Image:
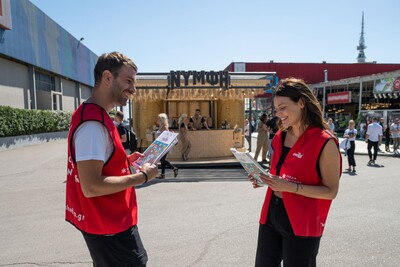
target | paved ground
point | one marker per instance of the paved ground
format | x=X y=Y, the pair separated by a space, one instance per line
x=205 y=217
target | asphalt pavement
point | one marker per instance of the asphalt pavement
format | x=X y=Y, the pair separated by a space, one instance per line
x=204 y=217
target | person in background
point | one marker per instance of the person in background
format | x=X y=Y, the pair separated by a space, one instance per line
x=395 y=131
x=304 y=178
x=252 y=124
x=198 y=122
x=383 y=125
x=331 y=125
x=262 y=139
x=374 y=139
x=351 y=134
x=123 y=132
x=272 y=125
x=362 y=130
x=247 y=134
x=162 y=122
x=386 y=134
x=100 y=189
x=184 y=136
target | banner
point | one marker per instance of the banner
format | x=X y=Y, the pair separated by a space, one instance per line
x=387 y=85
x=339 y=98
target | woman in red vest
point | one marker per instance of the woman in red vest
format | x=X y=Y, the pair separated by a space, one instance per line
x=304 y=178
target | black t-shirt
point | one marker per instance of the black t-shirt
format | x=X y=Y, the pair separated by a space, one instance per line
x=123 y=131
x=273 y=125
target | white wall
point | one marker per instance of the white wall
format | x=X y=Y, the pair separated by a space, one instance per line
x=14 y=84
x=15 y=89
x=69 y=95
x=86 y=92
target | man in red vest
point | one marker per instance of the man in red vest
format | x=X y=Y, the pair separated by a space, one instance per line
x=100 y=193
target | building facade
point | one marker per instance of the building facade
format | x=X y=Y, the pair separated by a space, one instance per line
x=344 y=90
x=42 y=65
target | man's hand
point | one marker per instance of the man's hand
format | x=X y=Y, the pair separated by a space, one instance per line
x=150 y=170
x=134 y=157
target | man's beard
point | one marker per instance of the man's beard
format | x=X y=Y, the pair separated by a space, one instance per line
x=117 y=94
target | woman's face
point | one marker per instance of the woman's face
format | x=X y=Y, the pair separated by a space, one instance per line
x=351 y=125
x=288 y=111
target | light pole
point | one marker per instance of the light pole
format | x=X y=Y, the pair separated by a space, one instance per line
x=324 y=92
x=79 y=42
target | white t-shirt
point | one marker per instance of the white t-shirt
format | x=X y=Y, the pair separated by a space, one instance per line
x=92 y=142
x=395 y=130
x=331 y=126
x=351 y=132
x=374 y=131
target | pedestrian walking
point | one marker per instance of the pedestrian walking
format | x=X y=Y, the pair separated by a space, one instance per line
x=100 y=188
x=184 y=136
x=395 y=132
x=247 y=134
x=163 y=125
x=262 y=139
x=387 y=135
x=374 y=139
x=350 y=134
x=304 y=178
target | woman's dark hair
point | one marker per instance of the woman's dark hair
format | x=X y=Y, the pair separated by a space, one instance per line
x=112 y=62
x=296 y=90
x=263 y=117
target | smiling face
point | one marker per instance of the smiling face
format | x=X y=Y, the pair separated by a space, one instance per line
x=123 y=85
x=289 y=112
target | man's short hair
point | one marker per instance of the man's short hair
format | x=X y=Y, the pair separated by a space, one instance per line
x=120 y=115
x=197 y=109
x=112 y=62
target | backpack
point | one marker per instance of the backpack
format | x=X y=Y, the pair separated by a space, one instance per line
x=131 y=140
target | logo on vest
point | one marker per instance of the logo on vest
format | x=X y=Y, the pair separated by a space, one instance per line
x=298 y=155
x=71 y=162
x=289 y=178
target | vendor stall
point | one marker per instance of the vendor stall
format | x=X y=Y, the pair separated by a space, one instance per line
x=218 y=95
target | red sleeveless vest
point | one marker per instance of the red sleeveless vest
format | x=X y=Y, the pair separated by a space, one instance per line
x=109 y=214
x=307 y=215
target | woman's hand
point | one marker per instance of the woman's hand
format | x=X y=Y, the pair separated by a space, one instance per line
x=278 y=184
x=253 y=181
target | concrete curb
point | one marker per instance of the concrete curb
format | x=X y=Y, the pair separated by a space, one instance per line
x=32 y=139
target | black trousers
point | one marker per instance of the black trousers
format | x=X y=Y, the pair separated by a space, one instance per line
x=370 y=146
x=165 y=163
x=122 y=249
x=277 y=242
x=350 y=154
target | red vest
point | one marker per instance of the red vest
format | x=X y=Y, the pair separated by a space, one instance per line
x=109 y=214
x=307 y=215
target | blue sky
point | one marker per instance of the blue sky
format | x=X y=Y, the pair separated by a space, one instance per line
x=164 y=35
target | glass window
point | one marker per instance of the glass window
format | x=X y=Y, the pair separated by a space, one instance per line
x=45 y=82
